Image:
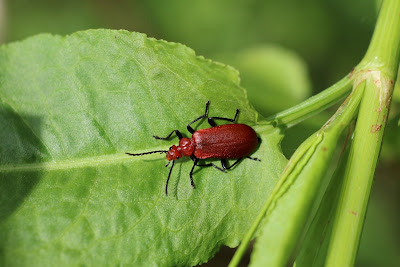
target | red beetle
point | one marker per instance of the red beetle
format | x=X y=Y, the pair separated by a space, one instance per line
x=230 y=141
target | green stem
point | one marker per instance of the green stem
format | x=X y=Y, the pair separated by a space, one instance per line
x=383 y=52
x=316 y=151
x=314 y=104
x=379 y=69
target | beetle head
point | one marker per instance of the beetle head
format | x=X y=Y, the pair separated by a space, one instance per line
x=174 y=153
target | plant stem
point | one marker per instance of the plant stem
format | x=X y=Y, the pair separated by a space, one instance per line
x=383 y=51
x=303 y=173
x=314 y=104
x=378 y=69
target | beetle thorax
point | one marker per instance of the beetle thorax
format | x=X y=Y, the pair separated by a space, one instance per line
x=185 y=148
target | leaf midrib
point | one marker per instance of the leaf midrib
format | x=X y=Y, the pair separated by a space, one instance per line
x=71 y=164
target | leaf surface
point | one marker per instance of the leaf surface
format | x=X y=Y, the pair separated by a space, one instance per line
x=70 y=107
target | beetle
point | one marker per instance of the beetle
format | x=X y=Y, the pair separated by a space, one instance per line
x=229 y=141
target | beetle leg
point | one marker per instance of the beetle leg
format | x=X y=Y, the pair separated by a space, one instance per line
x=168 y=136
x=169 y=175
x=189 y=128
x=213 y=124
x=223 y=163
x=256 y=159
x=195 y=161
x=211 y=165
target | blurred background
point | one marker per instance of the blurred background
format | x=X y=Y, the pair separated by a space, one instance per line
x=285 y=51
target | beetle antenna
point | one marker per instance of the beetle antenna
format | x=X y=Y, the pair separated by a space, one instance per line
x=169 y=175
x=145 y=153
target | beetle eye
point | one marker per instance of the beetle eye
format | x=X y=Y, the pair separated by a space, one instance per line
x=170 y=147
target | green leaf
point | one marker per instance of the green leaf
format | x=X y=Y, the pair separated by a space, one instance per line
x=70 y=107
